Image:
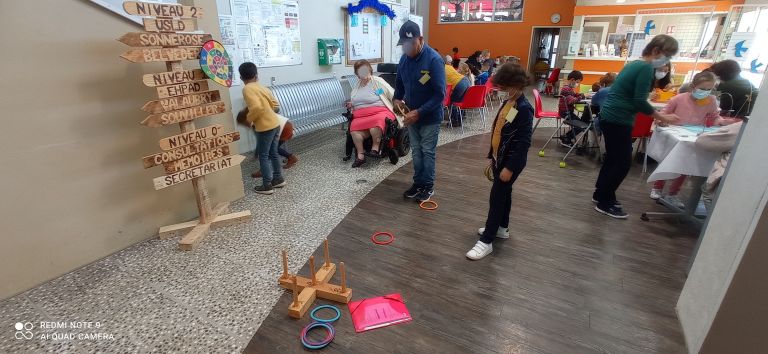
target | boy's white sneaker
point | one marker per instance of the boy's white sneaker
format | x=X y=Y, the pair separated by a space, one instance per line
x=502 y=233
x=480 y=250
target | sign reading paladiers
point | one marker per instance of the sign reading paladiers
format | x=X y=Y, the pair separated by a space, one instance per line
x=199 y=171
x=179 y=102
x=161 y=10
x=184 y=115
x=196 y=160
x=175 y=141
x=146 y=55
x=142 y=39
x=172 y=77
x=182 y=89
x=190 y=149
x=168 y=25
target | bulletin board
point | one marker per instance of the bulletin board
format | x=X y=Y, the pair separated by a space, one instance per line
x=363 y=37
x=264 y=32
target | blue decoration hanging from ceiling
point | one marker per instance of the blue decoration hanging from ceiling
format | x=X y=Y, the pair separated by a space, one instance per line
x=374 y=4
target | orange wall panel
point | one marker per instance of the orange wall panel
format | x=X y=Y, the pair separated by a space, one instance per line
x=501 y=38
x=632 y=9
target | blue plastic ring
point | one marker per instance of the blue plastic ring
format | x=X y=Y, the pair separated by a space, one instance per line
x=338 y=314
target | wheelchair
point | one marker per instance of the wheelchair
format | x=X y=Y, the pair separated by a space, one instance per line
x=394 y=141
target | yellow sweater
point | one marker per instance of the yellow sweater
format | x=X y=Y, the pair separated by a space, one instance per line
x=261 y=107
x=452 y=77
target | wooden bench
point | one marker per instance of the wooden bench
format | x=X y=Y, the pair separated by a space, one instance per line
x=312 y=105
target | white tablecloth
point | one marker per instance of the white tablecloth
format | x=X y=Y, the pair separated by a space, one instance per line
x=675 y=150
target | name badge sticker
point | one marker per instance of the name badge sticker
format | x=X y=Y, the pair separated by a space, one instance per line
x=379 y=91
x=424 y=79
x=511 y=114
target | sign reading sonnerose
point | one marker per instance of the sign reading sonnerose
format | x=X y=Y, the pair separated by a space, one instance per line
x=182 y=139
x=190 y=149
x=146 y=55
x=143 y=39
x=199 y=171
x=169 y=25
x=196 y=160
x=179 y=102
x=184 y=115
x=161 y=10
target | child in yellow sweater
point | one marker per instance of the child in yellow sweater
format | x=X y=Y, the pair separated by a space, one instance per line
x=262 y=115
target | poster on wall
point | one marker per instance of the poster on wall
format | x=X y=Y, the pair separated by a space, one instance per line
x=575 y=42
x=227 y=26
x=265 y=32
x=401 y=15
x=363 y=38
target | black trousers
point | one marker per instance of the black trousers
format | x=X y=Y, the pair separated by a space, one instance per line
x=618 y=160
x=500 y=206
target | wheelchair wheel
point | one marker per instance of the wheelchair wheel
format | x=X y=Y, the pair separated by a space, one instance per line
x=393 y=157
x=402 y=143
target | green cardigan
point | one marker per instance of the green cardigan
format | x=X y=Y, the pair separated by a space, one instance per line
x=629 y=94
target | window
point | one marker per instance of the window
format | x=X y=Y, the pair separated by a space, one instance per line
x=481 y=11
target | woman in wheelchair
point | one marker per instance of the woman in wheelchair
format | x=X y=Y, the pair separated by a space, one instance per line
x=371 y=107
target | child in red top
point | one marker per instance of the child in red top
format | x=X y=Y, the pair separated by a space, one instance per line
x=569 y=96
x=698 y=107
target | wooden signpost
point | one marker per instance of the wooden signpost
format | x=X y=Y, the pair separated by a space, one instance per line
x=184 y=96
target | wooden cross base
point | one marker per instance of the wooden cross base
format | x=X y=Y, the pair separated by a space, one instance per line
x=199 y=230
x=306 y=290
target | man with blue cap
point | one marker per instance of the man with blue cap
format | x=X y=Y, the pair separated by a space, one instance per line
x=421 y=84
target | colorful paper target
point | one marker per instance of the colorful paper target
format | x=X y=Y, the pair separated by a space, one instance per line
x=216 y=63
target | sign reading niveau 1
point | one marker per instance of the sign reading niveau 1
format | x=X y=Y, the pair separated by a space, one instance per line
x=184 y=97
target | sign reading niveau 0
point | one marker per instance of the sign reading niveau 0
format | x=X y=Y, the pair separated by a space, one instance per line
x=190 y=149
x=175 y=141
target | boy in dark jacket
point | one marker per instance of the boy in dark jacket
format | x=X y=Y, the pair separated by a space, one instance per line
x=510 y=140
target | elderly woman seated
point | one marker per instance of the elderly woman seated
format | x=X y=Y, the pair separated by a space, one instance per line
x=371 y=106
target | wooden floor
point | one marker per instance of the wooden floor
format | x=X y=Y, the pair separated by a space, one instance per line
x=569 y=280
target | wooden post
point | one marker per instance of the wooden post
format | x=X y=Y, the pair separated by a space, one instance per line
x=285 y=264
x=343 y=277
x=312 y=269
x=295 y=293
x=326 y=255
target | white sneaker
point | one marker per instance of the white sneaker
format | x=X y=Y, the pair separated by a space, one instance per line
x=674 y=200
x=502 y=233
x=480 y=250
x=655 y=194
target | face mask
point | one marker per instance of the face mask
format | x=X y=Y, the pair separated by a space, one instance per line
x=574 y=84
x=408 y=48
x=659 y=62
x=660 y=75
x=363 y=73
x=700 y=94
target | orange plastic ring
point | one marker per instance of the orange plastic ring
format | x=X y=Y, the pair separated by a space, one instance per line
x=388 y=241
x=422 y=205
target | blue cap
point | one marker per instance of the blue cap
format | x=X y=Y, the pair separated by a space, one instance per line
x=408 y=32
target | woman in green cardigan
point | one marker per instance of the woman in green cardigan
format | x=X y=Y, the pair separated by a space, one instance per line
x=628 y=97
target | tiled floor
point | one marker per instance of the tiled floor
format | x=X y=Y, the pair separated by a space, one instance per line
x=146 y=300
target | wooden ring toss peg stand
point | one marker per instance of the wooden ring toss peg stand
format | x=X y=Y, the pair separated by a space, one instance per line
x=306 y=290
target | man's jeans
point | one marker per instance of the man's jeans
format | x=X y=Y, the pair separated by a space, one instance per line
x=423 y=145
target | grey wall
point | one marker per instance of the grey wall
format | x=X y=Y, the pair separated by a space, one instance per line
x=730 y=246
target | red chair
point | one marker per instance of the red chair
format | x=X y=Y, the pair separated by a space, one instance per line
x=642 y=131
x=539 y=111
x=488 y=89
x=549 y=87
x=474 y=98
x=447 y=99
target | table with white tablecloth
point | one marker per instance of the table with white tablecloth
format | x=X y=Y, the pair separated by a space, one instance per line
x=674 y=148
